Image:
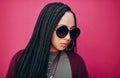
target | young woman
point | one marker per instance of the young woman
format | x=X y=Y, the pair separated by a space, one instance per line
x=51 y=51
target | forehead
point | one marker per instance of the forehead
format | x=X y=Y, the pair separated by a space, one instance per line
x=67 y=19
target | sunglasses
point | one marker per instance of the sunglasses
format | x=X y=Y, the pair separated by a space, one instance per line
x=62 y=32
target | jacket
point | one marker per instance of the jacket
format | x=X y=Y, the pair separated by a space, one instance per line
x=78 y=67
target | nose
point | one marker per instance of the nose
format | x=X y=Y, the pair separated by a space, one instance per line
x=67 y=37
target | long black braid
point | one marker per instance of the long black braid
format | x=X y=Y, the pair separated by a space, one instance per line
x=34 y=61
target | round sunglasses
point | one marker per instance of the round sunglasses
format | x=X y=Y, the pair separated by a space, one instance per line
x=62 y=32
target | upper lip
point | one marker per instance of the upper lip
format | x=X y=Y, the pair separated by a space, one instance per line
x=64 y=43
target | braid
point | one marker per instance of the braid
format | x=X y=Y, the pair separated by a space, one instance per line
x=34 y=61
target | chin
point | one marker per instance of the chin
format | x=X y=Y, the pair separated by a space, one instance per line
x=61 y=49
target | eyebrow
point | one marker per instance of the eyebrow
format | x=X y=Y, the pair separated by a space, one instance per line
x=59 y=25
x=72 y=27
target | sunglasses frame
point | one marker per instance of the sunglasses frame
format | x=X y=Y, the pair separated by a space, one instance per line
x=64 y=34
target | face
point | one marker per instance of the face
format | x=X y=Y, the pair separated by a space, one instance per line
x=57 y=43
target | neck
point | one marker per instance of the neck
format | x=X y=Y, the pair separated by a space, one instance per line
x=52 y=50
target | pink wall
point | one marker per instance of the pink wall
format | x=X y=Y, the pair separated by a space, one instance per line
x=98 y=44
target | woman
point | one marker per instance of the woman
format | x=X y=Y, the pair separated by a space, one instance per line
x=50 y=52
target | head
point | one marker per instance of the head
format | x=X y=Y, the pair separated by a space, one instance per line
x=34 y=60
x=64 y=33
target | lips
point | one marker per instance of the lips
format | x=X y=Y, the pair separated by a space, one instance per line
x=64 y=44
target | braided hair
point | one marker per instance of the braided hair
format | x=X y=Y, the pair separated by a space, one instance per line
x=34 y=61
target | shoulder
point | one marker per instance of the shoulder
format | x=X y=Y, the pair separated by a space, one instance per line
x=12 y=65
x=75 y=56
x=76 y=60
x=17 y=55
x=78 y=66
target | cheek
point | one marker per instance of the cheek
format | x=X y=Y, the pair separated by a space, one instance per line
x=55 y=39
x=69 y=41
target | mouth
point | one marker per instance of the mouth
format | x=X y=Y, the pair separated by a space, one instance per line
x=64 y=45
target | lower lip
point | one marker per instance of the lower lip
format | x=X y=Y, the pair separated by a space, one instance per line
x=63 y=45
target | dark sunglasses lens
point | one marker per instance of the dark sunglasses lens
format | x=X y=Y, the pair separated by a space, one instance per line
x=62 y=31
x=74 y=33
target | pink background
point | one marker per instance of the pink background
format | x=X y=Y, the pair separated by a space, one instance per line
x=98 y=43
